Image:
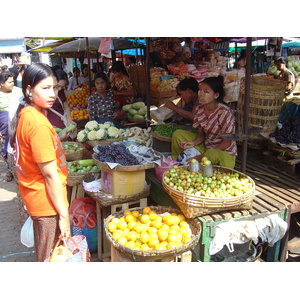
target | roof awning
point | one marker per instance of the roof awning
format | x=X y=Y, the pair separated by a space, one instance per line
x=49 y=46
x=12 y=46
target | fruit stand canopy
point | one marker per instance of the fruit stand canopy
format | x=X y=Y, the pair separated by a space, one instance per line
x=80 y=45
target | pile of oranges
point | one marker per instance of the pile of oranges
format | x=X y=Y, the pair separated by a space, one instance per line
x=150 y=231
x=78 y=103
x=79 y=114
x=80 y=97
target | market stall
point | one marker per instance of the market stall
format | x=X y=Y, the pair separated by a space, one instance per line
x=132 y=168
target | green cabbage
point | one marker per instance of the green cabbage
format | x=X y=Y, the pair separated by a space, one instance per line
x=132 y=111
x=126 y=107
x=138 y=105
x=138 y=117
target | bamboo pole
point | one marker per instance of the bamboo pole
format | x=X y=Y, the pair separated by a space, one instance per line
x=247 y=101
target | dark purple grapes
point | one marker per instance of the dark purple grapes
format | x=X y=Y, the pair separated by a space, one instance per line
x=289 y=133
x=115 y=153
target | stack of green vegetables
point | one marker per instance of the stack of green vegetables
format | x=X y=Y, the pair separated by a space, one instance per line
x=95 y=131
x=136 y=111
x=166 y=130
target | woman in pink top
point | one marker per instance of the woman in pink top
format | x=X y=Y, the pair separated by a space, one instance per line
x=213 y=119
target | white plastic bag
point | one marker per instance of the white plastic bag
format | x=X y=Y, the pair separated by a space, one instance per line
x=186 y=154
x=27 y=237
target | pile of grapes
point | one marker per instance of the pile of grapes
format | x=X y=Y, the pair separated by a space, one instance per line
x=289 y=133
x=115 y=153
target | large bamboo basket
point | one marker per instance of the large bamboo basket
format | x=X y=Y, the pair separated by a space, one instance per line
x=194 y=206
x=266 y=99
x=76 y=155
x=143 y=256
x=108 y=199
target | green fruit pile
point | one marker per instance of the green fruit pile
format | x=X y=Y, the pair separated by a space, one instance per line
x=220 y=185
x=84 y=165
x=71 y=147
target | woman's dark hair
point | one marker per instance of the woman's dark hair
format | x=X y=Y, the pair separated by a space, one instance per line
x=103 y=76
x=4 y=76
x=118 y=66
x=217 y=85
x=76 y=69
x=32 y=76
x=61 y=75
x=188 y=83
x=83 y=67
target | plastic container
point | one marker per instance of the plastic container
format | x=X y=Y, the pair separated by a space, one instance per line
x=159 y=170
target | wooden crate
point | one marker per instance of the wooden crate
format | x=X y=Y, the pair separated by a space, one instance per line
x=116 y=256
x=282 y=163
x=74 y=192
x=104 y=250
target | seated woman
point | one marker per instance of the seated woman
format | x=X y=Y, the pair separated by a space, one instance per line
x=101 y=104
x=188 y=89
x=213 y=119
x=121 y=85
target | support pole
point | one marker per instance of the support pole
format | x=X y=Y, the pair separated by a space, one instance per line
x=148 y=80
x=89 y=68
x=247 y=101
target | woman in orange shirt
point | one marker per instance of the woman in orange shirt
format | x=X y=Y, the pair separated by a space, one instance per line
x=40 y=160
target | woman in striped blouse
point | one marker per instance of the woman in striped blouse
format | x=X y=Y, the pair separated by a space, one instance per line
x=213 y=119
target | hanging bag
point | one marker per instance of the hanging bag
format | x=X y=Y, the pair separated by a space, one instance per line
x=27 y=236
x=72 y=249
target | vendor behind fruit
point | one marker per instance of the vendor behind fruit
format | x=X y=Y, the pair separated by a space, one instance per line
x=213 y=119
x=101 y=104
x=121 y=85
x=188 y=89
x=285 y=74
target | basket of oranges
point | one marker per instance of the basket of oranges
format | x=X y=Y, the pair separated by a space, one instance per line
x=152 y=233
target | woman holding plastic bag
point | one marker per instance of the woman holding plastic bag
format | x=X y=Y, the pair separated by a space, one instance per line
x=40 y=161
x=214 y=120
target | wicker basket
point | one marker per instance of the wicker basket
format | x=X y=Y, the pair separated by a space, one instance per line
x=76 y=155
x=266 y=99
x=161 y=138
x=137 y=121
x=108 y=199
x=141 y=255
x=194 y=206
x=164 y=94
x=76 y=178
x=102 y=142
